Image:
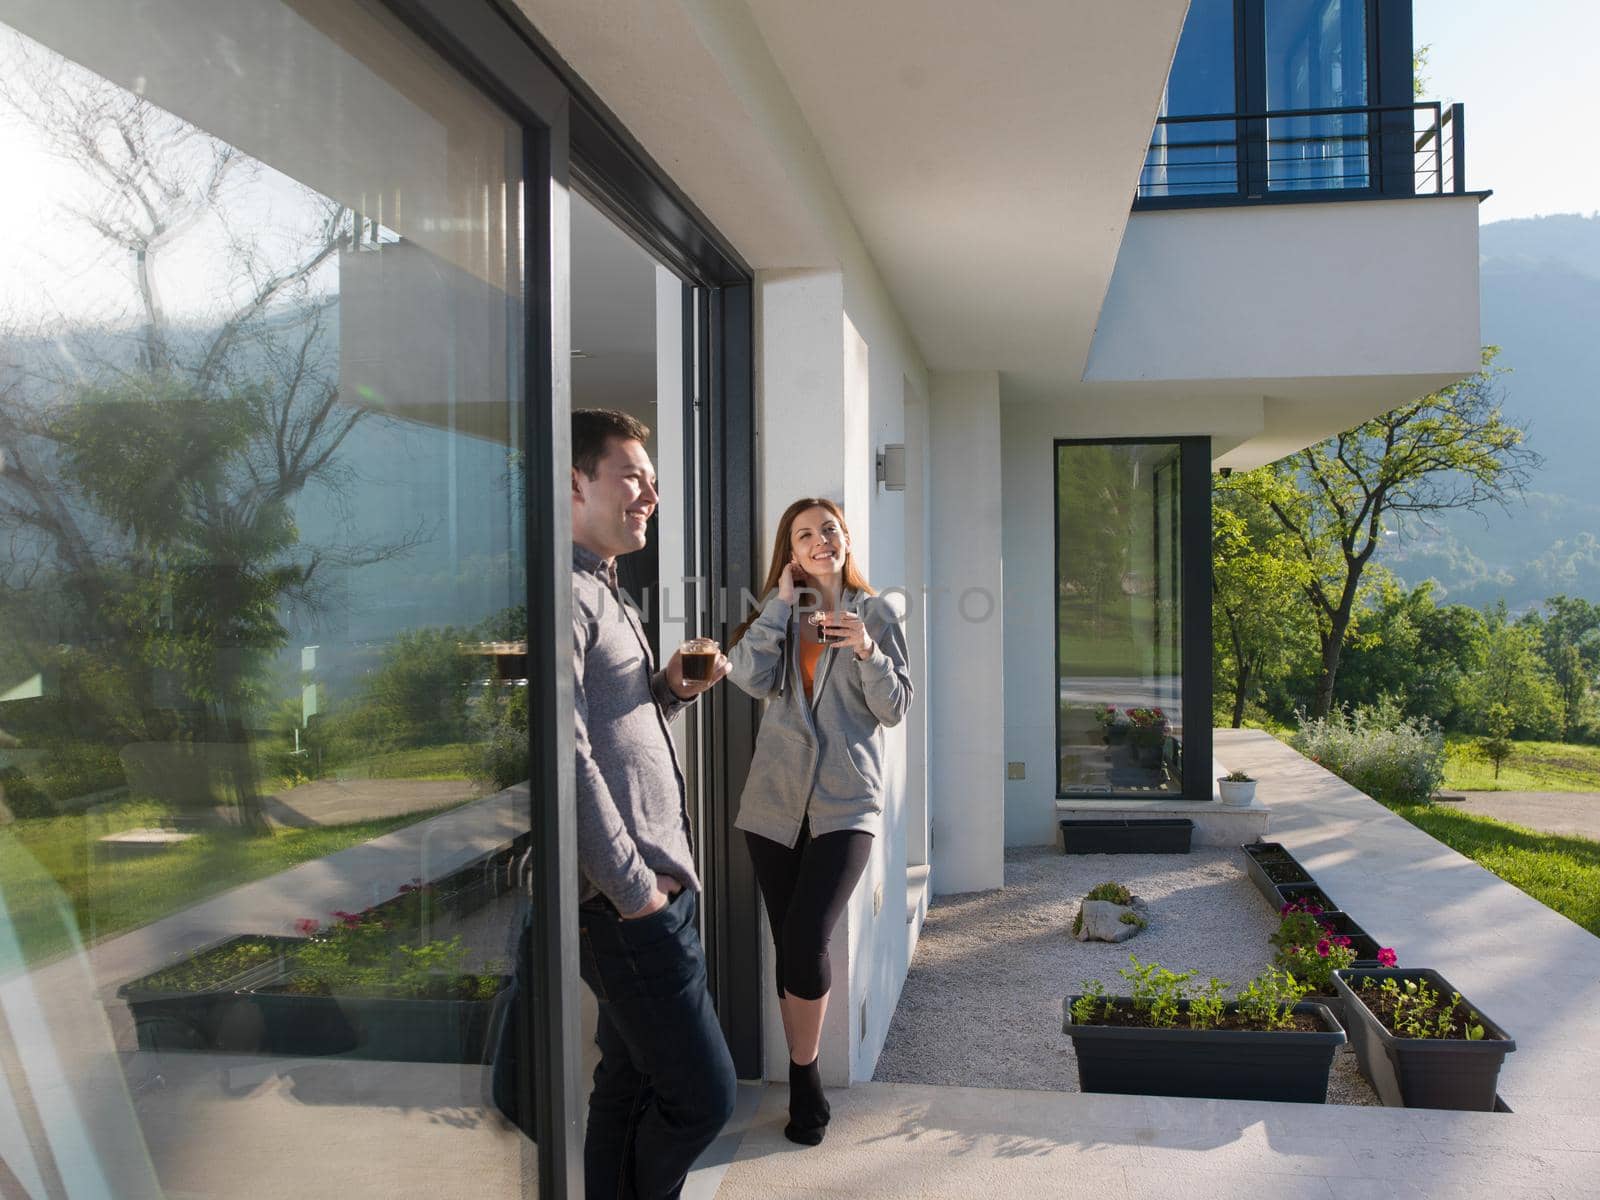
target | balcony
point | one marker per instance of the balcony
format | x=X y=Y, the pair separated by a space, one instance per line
x=1305 y=154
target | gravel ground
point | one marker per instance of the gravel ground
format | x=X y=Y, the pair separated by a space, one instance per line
x=982 y=1004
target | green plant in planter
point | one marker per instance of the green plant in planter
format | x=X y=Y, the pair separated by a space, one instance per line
x=1157 y=993
x=1269 y=999
x=377 y=953
x=212 y=968
x=1206 y=1008
x=1161 y=999
x=1092 y=1006
x=1148 y=726
x=1238 y=777
x=1414 y=1009
x=1311 y=950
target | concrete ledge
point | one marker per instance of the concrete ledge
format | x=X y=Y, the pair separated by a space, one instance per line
x=1215 y=823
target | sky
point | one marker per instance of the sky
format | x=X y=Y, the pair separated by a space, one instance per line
x=1526 y=106
x=1525 y=113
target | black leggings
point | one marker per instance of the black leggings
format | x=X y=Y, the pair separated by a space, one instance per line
x=805 y=890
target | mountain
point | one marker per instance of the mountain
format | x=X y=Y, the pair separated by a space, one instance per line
x=1540 y=303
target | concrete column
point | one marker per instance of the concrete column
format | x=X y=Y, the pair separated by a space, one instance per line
x=801 y=390
x=804 y=427
x=966 y=643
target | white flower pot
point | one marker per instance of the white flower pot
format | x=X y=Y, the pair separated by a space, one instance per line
x=1240 y=795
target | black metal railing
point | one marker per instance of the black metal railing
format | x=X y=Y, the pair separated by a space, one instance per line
x=1380 y=149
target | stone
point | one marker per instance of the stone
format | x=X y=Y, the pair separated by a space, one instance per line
x=1101 y=921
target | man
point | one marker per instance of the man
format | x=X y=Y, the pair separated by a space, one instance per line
x=665 y=1084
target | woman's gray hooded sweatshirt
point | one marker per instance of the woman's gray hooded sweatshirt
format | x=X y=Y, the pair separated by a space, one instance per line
x=822 y=758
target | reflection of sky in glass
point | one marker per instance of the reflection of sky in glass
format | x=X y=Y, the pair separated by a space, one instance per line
x=54 y=266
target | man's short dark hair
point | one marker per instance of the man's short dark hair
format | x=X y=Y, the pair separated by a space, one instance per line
x=592 y=428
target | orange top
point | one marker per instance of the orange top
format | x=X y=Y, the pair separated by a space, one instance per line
x=810 y=656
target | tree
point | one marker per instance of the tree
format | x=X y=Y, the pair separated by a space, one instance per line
x=1450 y=449
x=1258 y=619
x=1569 y=639
x=150 y=461
x=1513 y=677
x=1413 y=651
x=1496 y=744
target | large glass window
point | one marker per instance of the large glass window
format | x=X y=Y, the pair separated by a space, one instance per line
x=1119 y=619
x=1196 y=158
x=1272 y=56
x=263 y=709
x=1316 y=58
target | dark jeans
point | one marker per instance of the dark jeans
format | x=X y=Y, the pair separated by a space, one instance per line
x=665 y=1084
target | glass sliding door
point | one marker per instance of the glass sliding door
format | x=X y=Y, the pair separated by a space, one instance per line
x=266 y=490
x=1119 y=619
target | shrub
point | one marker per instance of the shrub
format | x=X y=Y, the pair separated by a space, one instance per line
x=1390 y=758
x=500 y=727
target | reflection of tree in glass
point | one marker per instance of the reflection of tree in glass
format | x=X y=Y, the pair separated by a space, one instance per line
x=149 y=462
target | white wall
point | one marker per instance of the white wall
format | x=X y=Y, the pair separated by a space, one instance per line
x=832 y=364
x=1383 y=287
x=966 y=713
x=1027 y=435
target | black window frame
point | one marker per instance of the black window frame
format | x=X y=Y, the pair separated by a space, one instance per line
x=1194 y=550
x=573 y=142
x=1390 y=169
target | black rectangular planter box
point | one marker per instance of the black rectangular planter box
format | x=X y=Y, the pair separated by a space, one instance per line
x=1422 y=1072
x=1223 y=1064
x=1262 y=869
x=374 y=1027
x=1126 y=835
x=215 y=1017
x=1266 y=850
x=1288 y=892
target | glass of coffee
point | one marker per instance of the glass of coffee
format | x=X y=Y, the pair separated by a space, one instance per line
x=822 y=619
x=698 y=657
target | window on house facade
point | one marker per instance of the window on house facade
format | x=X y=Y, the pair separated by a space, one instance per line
x=1316 y=58
x=1198 y=158
x=1267 y=56
x=1119 y=619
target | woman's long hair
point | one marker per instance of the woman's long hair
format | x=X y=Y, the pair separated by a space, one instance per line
x=854 y=580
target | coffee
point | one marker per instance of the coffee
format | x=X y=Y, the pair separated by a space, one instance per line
x=698 y=657
x=821 y=620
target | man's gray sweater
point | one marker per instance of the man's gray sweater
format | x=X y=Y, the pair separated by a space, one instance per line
x=632 y=819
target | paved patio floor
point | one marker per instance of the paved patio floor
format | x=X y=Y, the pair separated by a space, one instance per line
x=1529 y=968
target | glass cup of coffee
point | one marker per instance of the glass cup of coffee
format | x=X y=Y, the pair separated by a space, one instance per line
x=820 y=620
x=698 y=657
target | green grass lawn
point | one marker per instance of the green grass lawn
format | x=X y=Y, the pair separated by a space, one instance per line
x=1559 y=871
x=1532 y=767
x=49 y=858
x=428 y=762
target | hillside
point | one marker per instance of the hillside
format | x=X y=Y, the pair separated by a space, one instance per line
x=1541 y=305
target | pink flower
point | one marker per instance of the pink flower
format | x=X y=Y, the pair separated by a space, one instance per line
x=1323 y=947
x=348 y=919
x=306 y=926
x=1341 y=940
x=1387 y=957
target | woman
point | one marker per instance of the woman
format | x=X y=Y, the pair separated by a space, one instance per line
x=814 y=799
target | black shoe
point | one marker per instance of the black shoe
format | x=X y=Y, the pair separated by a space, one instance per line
x=809 y=1110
